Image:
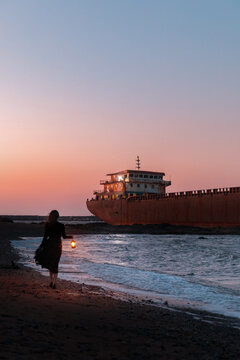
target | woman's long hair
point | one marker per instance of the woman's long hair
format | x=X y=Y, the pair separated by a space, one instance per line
x=53 y=216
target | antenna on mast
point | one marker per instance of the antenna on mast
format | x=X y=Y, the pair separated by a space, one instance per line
x=138 y=163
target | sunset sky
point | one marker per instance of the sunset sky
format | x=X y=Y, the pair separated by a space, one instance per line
x=86 y=86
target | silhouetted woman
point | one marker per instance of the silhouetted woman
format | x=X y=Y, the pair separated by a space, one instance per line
x=49 y=252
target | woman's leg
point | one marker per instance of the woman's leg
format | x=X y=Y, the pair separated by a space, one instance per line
x=54 y=279
x=51 y=276
x=55 y=274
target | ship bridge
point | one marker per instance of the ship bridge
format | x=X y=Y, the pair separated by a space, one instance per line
x=127 y=183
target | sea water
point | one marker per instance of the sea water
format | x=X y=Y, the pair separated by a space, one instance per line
x=191 y=270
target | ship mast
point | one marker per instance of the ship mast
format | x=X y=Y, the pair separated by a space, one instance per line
x=138 y=163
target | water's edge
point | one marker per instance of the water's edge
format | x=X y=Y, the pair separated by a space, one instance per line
x=107 y=281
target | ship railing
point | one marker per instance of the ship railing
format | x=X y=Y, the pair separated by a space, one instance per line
x=193 y=193
x=100 y=195
x=103 y=182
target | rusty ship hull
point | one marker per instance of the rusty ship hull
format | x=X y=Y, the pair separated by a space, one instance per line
x=202 y=208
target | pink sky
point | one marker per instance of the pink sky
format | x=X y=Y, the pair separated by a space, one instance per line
x=58 y=165
x=96 y=86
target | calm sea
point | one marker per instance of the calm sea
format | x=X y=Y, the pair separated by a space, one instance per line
x=195 y=271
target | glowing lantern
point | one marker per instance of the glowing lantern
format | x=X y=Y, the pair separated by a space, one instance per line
x=73 y=244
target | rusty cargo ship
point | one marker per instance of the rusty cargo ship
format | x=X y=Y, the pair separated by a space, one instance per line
x=132 y=197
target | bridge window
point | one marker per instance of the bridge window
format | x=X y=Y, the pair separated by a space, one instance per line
x=155 y=177
x=145 y=186
x=131 y=175
x=138 y=185
x=146 y=176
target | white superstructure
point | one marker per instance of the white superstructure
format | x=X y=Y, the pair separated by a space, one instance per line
x=133 y=182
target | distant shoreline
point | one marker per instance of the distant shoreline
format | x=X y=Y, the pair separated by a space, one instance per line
x=98 y=227
x=103 y=228
x=40 y=218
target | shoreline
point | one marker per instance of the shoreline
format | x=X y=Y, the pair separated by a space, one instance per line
x=127 y=293
x=39 y=322
x=104 y=228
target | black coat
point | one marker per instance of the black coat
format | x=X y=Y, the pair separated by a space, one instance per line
x=49 y=252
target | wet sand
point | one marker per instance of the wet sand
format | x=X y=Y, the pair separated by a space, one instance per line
x=79 y=321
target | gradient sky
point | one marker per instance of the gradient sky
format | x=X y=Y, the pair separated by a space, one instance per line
x=85 y=86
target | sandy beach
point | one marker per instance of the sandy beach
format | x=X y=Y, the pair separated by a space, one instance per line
x=80 y=321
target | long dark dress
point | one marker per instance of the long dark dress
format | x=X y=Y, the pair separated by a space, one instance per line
x=50 y=250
